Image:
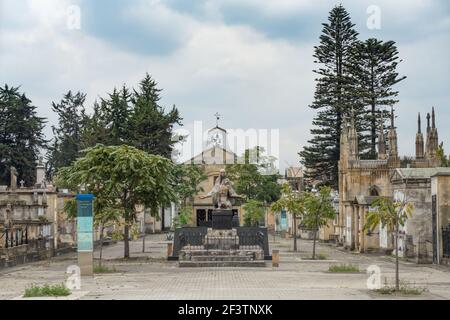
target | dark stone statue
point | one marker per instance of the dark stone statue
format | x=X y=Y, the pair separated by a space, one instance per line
x=222 y=192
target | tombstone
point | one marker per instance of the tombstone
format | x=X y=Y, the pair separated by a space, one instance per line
x=40 y=173
x=13 y=173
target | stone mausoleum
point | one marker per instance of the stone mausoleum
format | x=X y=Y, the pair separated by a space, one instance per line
x=421 y=180
x=32 y=225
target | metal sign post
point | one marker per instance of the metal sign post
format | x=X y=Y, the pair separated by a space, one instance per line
x=85 y=234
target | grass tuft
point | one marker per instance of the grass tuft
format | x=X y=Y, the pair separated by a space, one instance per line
x=343 y=268
x=104 y=269
x=59 y=290
x=404 y=289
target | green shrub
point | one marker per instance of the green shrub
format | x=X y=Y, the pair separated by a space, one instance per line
x=59 y=290
x=184 y=217
x=343 y=268
x=404 y=288
x=321 y=256
x=104 y=269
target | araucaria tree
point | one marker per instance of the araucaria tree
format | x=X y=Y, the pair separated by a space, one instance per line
x=390 y=215
x=126 y=176
x=21 y=135
x=334 y=96
x=374 y=67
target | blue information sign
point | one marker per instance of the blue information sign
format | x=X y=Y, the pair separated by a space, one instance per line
x=85 y=225
x=283 y=220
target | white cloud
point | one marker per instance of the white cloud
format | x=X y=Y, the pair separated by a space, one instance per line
x=254 y=81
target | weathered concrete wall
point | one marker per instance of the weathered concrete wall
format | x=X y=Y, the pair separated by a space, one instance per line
x=441 y=188
x=416 y=237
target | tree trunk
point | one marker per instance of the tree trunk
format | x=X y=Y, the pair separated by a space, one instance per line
x=102 y=228
x=314 y=244
x=143 y=243
x=143 y=235
x=397 y=276
x=126 y=234
x=295 y=232
x=316 y=229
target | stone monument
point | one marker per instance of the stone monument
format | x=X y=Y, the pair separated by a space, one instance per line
x=221 y=194
x=225 y=244
x=13 y=173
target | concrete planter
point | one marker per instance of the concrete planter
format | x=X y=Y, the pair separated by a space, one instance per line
x=76 y=295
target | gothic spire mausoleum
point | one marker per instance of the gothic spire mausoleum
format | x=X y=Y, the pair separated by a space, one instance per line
x=363 y=181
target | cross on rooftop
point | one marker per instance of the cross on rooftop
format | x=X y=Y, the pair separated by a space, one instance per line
x=217 y=115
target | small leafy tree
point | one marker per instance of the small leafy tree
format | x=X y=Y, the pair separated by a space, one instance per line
x=184 y=217
x=125 y=176
x=319 y=210
x=105 y=213
x=254 y=212
x=105 y=217
x=390 y=214
x=293 y=202
x=253 y=176
x=445 y=160
x=187 y=179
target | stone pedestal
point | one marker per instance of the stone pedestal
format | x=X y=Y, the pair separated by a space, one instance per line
x=221 y=239
x=221 y=248
x=86 y=263
x=222 y=219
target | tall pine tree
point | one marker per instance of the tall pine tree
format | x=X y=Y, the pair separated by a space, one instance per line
x=150 y=127
x=95 y=129
x=374 y=67
x=117 y=111
x=67 y=135
x=334 y=97
x=21 y=136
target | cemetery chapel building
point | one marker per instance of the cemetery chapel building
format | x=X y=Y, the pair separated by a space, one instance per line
x=214 y=157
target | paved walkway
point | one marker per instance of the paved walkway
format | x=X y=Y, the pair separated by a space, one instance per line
x=149 y=276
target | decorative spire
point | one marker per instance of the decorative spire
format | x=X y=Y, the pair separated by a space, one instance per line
x=419 y=140
x=432 y=138
x=393 y=149
x=353 y=139
x=419 y=126
x=392 y=118
x=381 y=142
x=433 y=119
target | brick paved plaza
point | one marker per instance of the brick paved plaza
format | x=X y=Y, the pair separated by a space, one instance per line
x=149 y=276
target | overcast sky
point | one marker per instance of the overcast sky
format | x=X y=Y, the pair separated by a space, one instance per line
x=250 y=60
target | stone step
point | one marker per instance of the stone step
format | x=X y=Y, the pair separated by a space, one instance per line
x=218 y=264
x=216 y=252
x=221 y=258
